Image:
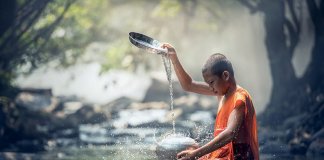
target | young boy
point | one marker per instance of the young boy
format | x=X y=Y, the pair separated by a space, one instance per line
x=235 y=130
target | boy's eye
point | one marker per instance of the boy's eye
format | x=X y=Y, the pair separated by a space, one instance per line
x=211 y=82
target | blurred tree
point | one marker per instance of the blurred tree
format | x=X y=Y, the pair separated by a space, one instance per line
x=34 y=32
x=22 y=41
x=291 y=95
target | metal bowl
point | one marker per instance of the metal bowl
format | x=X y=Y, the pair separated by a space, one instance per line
x=145 y=42
x=169 y=147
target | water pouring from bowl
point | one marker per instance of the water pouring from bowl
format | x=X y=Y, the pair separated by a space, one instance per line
x=147 y=43
x=154 y=46
x=169 y=146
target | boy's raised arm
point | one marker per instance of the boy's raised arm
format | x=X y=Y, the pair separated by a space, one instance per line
x=184 y=78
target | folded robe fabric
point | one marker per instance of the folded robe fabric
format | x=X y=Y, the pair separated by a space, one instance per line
x=248 y=129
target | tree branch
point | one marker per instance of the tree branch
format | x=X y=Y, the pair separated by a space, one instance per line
x=34 y=18
x=293 y=37
x=15 y=35
x=23 y=8
x=16 y=53
x=46 y=32
x=293 y=14
x=314 y=13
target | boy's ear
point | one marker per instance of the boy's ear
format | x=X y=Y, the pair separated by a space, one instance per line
x=225 y=75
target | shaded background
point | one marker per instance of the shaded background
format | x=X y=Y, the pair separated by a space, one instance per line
x=73 y=86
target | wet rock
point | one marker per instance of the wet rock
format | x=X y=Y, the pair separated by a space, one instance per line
x=117 y=105
x=316 y=149
x=274 y=148
x=16 y=156
x=292 y=122
x=43 y=91
x=66 y=133
x=298 y=148
x=30 y=145
x=36 y=101
x=70 y=98
x=159 y=91
x=86 y=114
x=316 y=146
x=149 y=105
x=300 y=143
x=314 y=120
x=65 y=142
x=36 y=124
x=94 y=134
x=318 y=135
x=190 y=100
x=266 y=135
x=71 y=107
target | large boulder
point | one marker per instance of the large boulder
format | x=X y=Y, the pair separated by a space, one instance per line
x=85 y=115
x=117 y=105
x=159 y=91
x=37 y=100
x=275 y=148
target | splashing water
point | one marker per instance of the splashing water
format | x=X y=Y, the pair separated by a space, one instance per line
x=167 y=65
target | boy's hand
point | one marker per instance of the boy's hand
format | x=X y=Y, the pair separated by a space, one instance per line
x=171 y=50
x=187 y=155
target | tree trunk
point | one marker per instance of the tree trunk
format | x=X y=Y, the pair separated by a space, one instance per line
x=7 y=15
x=315 y=71
x=282 y=71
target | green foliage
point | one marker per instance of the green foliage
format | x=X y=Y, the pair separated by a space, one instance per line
x=61 y=30
x=167 y=8
x=118 y=56
x=80 y=27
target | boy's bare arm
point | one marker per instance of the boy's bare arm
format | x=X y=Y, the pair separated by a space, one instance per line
x=184 y=78
x=234 y=122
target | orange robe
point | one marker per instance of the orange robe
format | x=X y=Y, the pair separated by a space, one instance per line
x=249 y=125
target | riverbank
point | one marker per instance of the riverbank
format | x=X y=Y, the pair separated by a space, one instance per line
x=39 y=125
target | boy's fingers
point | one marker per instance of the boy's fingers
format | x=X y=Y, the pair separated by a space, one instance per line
x=181 y=154
x=166 y=45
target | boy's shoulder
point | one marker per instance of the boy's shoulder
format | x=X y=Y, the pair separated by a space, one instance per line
x=240 y=91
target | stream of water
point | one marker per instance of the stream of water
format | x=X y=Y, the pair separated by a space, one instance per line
x=167 y=65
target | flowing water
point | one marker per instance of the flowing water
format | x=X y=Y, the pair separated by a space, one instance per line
x=167 y=65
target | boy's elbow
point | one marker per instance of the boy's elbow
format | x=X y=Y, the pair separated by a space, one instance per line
x=231 y=134
x=187 y=85
x=186 y=88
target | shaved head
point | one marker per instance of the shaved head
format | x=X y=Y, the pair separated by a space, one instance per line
x=217 y=63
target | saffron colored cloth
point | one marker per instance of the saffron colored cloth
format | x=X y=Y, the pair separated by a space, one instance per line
x=249 y=149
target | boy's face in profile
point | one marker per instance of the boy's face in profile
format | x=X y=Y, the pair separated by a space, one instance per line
x=219 y=85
